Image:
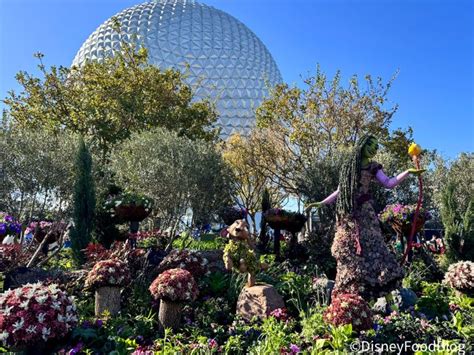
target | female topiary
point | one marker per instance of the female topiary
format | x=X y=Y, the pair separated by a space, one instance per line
x=365 y=266
x=107 y=277
x=173 y=287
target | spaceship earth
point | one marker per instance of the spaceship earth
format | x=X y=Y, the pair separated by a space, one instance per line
x=223 y=59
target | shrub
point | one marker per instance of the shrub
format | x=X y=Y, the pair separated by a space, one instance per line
x=110 y=272
x=460 y=276
x=34 y=314
x=174 y=285
x=186 y=260
x=349 y=309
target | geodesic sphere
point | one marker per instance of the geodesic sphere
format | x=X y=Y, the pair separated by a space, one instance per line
x=224 y=61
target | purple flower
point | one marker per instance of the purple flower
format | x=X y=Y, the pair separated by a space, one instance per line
x=3 y=228
x=8 y=218
x=213 y=343
x=99 y=323
x=294 y=349
x=86 y=324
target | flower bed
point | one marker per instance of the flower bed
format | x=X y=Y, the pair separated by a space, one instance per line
x=35 y=314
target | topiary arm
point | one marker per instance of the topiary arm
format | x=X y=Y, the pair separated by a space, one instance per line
x=390 y=183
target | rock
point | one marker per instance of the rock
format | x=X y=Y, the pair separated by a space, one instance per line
x=403 y=299
x=258 y=301
x=22 y=275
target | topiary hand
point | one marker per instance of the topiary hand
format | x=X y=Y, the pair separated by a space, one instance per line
x=416 y=171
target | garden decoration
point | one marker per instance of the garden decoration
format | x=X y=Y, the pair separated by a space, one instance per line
x=401 y=218
x=232 y=213
x=414 y=150
x=279 y=219
x=173 y=288
x=185 y=259
x=107 y=277
x=8 y=226
x=365 y=266
x=34 y=317
x=349 y=308
x=239 y=253
x=460 y=276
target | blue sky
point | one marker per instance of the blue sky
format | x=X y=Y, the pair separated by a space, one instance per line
x=429 y=42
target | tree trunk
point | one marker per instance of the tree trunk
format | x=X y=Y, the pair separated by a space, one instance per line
x=107 y=298
x=169 y=315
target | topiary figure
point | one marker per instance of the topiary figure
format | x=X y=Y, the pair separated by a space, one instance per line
x=172 y=288
x=347 y=308
x=187 y=260
x=239 y=254
x=460 y=276
x=107 y=277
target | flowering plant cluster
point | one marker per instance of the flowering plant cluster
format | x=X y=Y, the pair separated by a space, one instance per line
x=460 y=276
x=34 y=314
x=185 y=259
x=110 y=272
x=128 y=206
x=12 y=255
x=174 y=285
x=281 y=219
x=349 y=308
x=402 y=214
x=42 y=225
x=8 y=225
x=95 y=252
x=280 y=314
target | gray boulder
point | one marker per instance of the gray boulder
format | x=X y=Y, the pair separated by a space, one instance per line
x=403 y=299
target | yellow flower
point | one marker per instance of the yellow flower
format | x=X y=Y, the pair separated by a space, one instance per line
x=414 y=149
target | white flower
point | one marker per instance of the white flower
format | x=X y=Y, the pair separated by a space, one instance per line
x=56 y=306
x=31 y=329
x=111 y=270
x=363 y=314
x=45 y=333
x=40 y=317
x=41 y=299
x=7 y=310
x=18 y=325
x=4 y=336
x=24 y=304
x=61 y=318
x=179 y=284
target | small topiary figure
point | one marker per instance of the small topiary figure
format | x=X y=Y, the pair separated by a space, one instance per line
x=172 y=288
x=34 y=316
x=107 y=277
x=460 y=276
x=349 y=308
x=239 y=253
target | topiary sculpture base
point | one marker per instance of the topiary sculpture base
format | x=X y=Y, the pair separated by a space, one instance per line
x=169 y=315
x=107 y=299
x=258 y=301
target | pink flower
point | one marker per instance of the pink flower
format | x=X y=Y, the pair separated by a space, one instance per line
x=213 y=343
x=294 y=349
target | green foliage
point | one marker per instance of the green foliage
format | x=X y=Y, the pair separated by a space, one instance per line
x=37 y=172
x=84 y=203
x=107 y=100
x=313 y=324
x=458 y=224
x=337 y=343
x=217 y=283
x=296 y=289
x=434 y=302
x=176 y=172
x=275 y=336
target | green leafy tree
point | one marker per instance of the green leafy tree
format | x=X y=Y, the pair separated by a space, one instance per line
x=179 y=174
x=36 y=172
x=84 y=203
x=109 y=99
x=324 y=119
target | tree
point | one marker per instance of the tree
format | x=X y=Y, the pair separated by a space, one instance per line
x=178 y=173
x=36 y=172
x=323 y=120
x=84 y=203
x=107 y=100
x=249 y=181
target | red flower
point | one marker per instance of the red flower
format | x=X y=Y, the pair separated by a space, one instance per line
x=174 y=285
x=349 y=309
